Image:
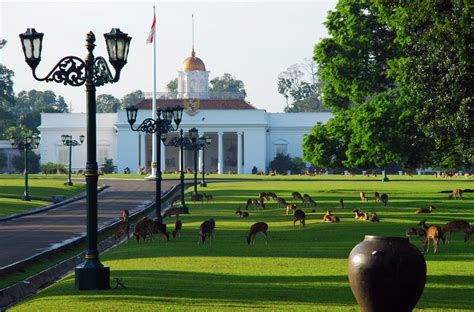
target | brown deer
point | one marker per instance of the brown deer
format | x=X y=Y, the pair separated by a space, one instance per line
x=281 y=202
x=384 y=199
x=425 y=210
x=433 y=232
x=290 y=207
x=208 y=197
x=272 y=195
x=176 y=200
x=170 y=212
x=359 y=215
x=158 y=227
x=122 y=228
x=363 y=197
x=329 y=217
x=377 y=196
x=297 y=196
x=458 y=226
x=456 y=193
x=259 y=227
x=341 y=203
x=299 y=216
x=243 y=214
x=177 y=228
x=206 y=230
x=373 y=217
x=143 y=228
x=257 y=203
x=308 y=200
x=125 y=215
x=418 y=232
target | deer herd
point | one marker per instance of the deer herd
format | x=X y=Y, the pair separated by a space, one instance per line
x=146 y=228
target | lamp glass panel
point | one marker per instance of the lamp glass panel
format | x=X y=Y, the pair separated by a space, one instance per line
x=125 y=54
x=120 y=49
x=28 y=48
x=111 y=46
x=37 y=48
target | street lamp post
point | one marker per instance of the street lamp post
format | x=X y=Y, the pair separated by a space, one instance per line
x=68 y=141
x=91 y=72
x=160 y=126
x=193 y=136
x=180 y=142
x=28 y=143
x=206 y=140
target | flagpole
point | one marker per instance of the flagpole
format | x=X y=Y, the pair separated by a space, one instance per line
x=153 y=113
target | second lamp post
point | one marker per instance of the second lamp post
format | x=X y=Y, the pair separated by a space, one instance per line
x=27 y=143
x=68 y=141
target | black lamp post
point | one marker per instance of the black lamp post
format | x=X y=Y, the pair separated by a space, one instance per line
x=160 y=126
x=205 y=142
x=68 y=141
x=193 y=136
x=93 y=72
x=28 y=143
x=181 y=142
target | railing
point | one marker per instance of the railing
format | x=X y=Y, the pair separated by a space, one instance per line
x=196 y=95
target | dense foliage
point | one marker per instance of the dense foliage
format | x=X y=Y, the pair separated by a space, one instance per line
x=227 y=83
x=284 y=163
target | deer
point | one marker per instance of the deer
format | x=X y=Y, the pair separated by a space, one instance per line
x=122 y=228
x=373 y=217
x=177 y=228
x=259 y=227
x=425 y=210
x=299 y=215
x=272 y=195
x=341 y=203
x=125 y=215
x=329 y=217
x=255 y=202
x=176 y=200
x=377 y=196
x=456 y=193
x=384 y=199
x=297 y=196
x=208 y=197
x=281 y=202
x=143 y=228
x=170 y=212
x=243 y=214
x=158 y=227
x=206 y=230
x=363 y=197
x=458 y=226
x=308 y=200
x=433 y=232
x=359 y=215
x=290 y=207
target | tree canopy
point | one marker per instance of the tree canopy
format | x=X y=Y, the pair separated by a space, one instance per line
x=227 y=83
x=132 y=98
x=107 y=103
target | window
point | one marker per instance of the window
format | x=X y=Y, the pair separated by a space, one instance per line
x=63 y=155
x=102 y=153
x=281 y=149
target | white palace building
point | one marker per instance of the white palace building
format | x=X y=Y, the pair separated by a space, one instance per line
x=243 y=136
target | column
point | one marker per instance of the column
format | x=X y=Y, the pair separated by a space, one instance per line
x=239 y=152
x=220 y=153
x=163 y=156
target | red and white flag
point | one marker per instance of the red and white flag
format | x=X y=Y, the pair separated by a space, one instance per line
x=151 y=36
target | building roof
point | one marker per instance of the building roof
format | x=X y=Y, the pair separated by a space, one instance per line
x=193 y=63
x=203 y=104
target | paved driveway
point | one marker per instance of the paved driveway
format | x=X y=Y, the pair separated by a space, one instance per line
x=26 y=236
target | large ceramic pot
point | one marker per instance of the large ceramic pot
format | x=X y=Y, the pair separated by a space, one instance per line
x=386 y=274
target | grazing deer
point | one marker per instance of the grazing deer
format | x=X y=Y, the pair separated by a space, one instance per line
x=297 y=196
x=176 y=200
x=373 y=217
x=259 y=227
x=359 y=215
x=425 y=210
x=272 y=195
x=329 y=217
x=158 y=227
x=299 y=216
x=243 y=214
x=308 y=200
x=122 y=228
x=125 y=215
x=458 y=226
x=341 y=203
x=433 y=232
x=208 y=197
x=257 y=203
x=143 y=229
x=418 y=232
x=290 y=207
x=206 y=230
x=384 y=199
x=456 y=193
x=377 y=196
x=197 y=197
x=177 y=229
x=362 y=196
x=170 y=212
x=281 y=202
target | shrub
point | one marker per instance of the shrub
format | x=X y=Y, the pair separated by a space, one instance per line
x=33 y=162
x=284 y=163
x=51 y=168
x=108 y=167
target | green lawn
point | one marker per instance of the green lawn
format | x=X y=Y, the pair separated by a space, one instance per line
x=300 y=268
x=40 y=188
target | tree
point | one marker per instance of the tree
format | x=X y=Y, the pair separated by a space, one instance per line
x=7 y=99
x=132 y=98
x=227 y=83
x=284 y=163
x=172 y=86
x=107 y=103
x=33 y=162
x=300 y=86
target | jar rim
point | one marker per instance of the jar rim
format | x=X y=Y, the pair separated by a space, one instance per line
x=392 y=238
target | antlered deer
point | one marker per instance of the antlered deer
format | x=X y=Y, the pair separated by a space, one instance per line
x=299 y=216
x=425 y=210
x=308 y=200
x=363 y=197
x=456 y=193
x=458 y=226
x=290 y=207
x=433 y=232
x=259 y=227
x=297 y=196
x=384 y=199
x=177 y=228
x=206 y=230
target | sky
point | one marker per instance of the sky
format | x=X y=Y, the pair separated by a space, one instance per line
x=253 y=41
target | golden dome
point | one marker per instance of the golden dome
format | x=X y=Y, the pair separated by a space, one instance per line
x=193 y=63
